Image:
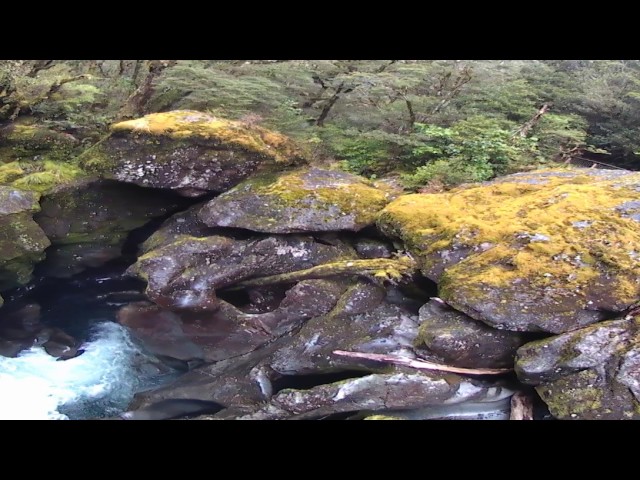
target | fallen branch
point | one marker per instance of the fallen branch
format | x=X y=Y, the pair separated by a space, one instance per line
x=377 y=268
x=521 y=407
x=421 y=364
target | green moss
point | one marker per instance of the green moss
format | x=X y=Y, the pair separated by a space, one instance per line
x=296 y=189
x=48 y=176
x=507 y=217
x=193 y=125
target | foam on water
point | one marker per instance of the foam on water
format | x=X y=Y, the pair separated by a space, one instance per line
x=100 y=382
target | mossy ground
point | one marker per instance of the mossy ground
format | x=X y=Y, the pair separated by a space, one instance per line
x=563 y=232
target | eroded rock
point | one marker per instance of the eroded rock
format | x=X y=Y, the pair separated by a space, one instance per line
x=89 y=221
x=184 y=275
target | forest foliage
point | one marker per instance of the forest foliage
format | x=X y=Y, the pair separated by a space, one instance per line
x=426 y=122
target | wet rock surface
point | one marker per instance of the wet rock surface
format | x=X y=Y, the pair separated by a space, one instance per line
x=590 y=373
x=22 y=241
x=308 y=200
x=461 y=341
x=185 y=274
x=88 y=222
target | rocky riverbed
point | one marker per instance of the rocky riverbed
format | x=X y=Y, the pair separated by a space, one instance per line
x=243 y=267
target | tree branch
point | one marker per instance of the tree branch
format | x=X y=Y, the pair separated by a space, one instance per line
x=420 y=364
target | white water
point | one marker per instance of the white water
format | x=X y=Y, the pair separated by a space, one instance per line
x=99 y=382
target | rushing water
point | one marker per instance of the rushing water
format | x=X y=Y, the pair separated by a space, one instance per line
x=99 y=382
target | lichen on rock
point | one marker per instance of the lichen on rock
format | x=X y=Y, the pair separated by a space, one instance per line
x=22 y=241
x=590 y=373
x=188 y=151
x=298 y=201
x=543 y=251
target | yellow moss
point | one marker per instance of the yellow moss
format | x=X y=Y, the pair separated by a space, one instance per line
x=350 y=196
x=10 y=172
x=48 y=175
x=529 y=230
x=186 y=124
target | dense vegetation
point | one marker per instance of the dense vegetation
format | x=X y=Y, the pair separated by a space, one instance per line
x=428 y=122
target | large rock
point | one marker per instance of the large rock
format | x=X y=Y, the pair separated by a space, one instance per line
x=402 y=389
x=545 y=251
x=89 y=221
x=22 y=241
x=188 y=151
x=184 y=274
x=590 y=373
x=361 y=322
x=308 y=200
x=461 y=341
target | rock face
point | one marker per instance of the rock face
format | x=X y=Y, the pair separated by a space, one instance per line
x=400 y=390
x=542 y=251
x=590 y=373
x=89 y=221
x=309 y=200
x=464 y=342
x=188 y=151
x=184 y=274
x=22 y=241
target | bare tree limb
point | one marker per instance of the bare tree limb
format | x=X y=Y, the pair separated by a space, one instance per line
x=421 y=364
x=526 y=128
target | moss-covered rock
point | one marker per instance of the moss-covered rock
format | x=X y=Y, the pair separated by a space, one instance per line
x=188 y=151
x=543 y=251
x=461 y=341
x=590 y=373
x=308 y=200
x=22 y=241
x=89 y=221
x=27 y=141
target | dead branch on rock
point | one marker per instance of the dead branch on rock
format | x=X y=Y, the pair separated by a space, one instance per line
x=421 y=364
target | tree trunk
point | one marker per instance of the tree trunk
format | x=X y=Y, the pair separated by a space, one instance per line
x=412 y=116
x=526 y=128
x=134 y=105
x=328 y=106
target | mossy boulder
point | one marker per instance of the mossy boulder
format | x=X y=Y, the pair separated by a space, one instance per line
x=89 y=221
x=461 y=341
x=590 y=373
x=22 y=241
x=550 y=250
x=188 y=151
x=307 y=200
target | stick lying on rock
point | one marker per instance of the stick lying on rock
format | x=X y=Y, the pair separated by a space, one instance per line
x=421 y=364
x=377 y=268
